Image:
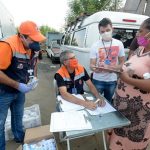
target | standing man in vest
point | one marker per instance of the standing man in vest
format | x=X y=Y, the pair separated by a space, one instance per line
x=18 y=57
x=70 y=79
x=108 y=53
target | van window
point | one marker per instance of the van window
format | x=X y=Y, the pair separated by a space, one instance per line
x=78 y=38
x=125 y=35
x=67 y=39
x=92 y=35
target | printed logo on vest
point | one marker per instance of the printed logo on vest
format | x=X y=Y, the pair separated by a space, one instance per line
x=20 y=66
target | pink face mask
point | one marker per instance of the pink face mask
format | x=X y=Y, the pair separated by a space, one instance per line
x=142 y=41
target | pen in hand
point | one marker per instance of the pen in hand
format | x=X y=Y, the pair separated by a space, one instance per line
x=102 y=102
x=97 y=101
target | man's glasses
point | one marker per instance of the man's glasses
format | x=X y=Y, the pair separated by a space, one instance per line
x=71 y=58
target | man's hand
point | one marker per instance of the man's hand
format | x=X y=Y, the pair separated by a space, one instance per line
x=115 y=68
x=101 y=103
x=90 y=105
x=25 y=88
x=97 y=70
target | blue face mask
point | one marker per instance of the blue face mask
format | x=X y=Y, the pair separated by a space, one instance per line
x=35 y=46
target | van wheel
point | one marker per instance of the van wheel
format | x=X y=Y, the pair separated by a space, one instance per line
x=53 y=59
x=48 y=56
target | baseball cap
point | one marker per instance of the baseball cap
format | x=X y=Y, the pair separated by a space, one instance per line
x=30 y=28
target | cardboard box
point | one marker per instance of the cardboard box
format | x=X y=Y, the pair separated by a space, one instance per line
x=36 y=134
x=19 y=148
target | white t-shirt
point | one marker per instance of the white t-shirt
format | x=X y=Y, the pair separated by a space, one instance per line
x=108 y=50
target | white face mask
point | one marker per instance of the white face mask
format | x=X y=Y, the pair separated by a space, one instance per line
x=107 y=36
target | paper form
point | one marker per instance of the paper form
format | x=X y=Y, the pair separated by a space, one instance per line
x=102 y=110
x=68 y=106
x=69 y=121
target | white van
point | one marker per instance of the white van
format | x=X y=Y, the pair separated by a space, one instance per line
x=7 y=27
x=82 y=34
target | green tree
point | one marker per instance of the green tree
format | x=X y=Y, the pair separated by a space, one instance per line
x=77 y=7
x=45 y=28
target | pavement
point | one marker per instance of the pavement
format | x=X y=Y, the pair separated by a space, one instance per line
x=44 y=95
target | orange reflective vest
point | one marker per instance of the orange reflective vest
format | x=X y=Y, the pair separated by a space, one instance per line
x=77 y=83
x=20 y=63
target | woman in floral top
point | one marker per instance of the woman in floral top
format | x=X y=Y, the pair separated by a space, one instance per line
x=132 y=98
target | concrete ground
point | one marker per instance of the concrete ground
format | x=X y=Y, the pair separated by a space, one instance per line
x=44 y=95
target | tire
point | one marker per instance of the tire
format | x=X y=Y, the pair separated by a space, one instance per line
x=48 y=56
x=53 y=59
x=40 y=56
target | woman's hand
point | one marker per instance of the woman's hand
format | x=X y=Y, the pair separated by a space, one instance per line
x=124 y=76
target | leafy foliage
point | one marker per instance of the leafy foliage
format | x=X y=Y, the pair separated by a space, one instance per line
x=78 y=7
x=45 y=28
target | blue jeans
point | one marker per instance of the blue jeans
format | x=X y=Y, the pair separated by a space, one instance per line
x=106 y=88
x=14 y=101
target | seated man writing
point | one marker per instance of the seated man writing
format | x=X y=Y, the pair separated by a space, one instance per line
x=70 y=79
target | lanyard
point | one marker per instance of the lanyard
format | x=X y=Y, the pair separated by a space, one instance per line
x=30 y=63
x=74 y=90
x=109 y=50
x=73 y=80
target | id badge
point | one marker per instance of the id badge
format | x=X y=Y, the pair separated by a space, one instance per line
x=74 y=90
x=30 y=71
x=107 y=61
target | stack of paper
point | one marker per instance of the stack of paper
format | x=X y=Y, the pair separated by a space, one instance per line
x=102 y=110
x=69 y=121
x=68 y=106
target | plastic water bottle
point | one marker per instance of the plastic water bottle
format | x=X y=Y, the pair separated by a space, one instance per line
x=26 y=147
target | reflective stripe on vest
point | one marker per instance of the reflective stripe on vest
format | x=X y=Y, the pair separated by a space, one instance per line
x=19 y=55
x=79 y=73
x=20 y=63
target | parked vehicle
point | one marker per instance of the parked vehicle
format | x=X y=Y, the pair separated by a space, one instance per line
x=53 y=45
x=53 y=51
x=51 y=36
x=80 y=36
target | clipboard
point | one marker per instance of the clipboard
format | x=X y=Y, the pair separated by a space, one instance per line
x=108 y=69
